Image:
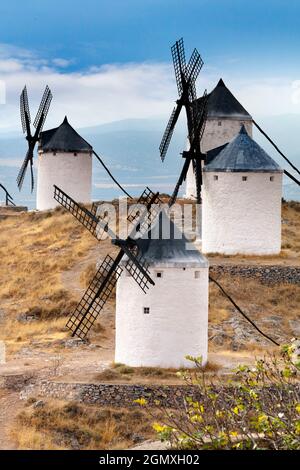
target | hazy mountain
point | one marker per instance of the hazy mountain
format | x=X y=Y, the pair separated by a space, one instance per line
x=130 y=149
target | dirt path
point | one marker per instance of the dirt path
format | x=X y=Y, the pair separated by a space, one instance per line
x=71 y=278
x=10 y=406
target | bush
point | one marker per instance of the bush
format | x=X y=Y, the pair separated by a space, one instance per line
x=258 y=408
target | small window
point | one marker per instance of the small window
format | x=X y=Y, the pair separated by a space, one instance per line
x=197 y=274
x=244 y=178
x=271 y=178
x=219 y=123
x=159 y=274
x=146 y=310
x=216 y=177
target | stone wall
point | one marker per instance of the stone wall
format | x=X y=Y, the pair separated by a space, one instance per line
x=269 y=274
x=112 y=394
x=124 y=395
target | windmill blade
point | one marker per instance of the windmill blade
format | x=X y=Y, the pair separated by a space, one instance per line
x=146 y=199
x=178 y=55
x=137 y=267
x=96 y=296
x=194 y=66
x=198 y=176
x=151 y=203
x=199 y=116
x=165 y=141
x=22 y=172
x=94 y=224
x=32 y=176
x=203 y=119
x=25 y=113
x=181 y=179
x=192 y=93
x=43 y=110
x=6 y=192
x=8 y=197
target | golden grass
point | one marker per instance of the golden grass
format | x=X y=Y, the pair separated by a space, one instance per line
x=117 y=373
x=35 y=248
x=61 y=425
x=261 y=302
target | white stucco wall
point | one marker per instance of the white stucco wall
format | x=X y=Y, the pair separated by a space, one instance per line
x=214 y=136
x=73 y=174
x=241 y=216
x=176 y=326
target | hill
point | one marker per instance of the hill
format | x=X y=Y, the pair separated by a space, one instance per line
x=130 y=149
x=47 y=260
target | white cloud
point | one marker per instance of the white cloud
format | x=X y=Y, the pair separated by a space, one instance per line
x=121 y=91
x=58 y=62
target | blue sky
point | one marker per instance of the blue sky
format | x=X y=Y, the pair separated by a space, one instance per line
x=110 y=60
x=254 y=36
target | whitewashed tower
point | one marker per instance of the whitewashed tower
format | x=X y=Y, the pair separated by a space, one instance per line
x=225 y=115
x=171 y=321
x=64 y=159
x=241 y=206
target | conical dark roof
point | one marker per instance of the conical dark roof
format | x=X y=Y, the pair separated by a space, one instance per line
x=64 y=139
x=222 y=103
x=243 y=154
x=167 y=246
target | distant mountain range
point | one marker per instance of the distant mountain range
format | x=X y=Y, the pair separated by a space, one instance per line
x=130 y=150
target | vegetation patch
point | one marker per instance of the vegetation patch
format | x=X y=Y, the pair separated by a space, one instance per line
x=62 y=426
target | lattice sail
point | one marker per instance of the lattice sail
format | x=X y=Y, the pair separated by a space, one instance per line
x=151 y=208
x=24 y=109
x=193 y=67
x=165 y=141
x=134 y=270
x=95 y=298
x=181 y=179
x=178 y=55
x=95 y=226
x=22 y=172
x=43 y=109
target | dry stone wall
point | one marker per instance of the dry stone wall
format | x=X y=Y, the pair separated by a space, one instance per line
x=112 y=394
x=269 y=274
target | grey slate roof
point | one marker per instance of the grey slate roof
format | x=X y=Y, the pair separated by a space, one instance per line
x=222 y=103
x=166 y=246
x=242 y=154
x=63 y=138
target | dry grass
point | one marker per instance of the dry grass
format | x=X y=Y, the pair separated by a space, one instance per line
x=118 y=373
x=61 y=425
x=87 y=275
x=274 y=308
x=35 y=248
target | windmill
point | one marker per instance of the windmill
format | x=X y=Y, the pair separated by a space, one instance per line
x=104 y=282
x=8 y=197
x=32 y=138
x=186 y=76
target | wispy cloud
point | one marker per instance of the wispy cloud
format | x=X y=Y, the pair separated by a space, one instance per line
x=122 y=91
x=11 y=162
